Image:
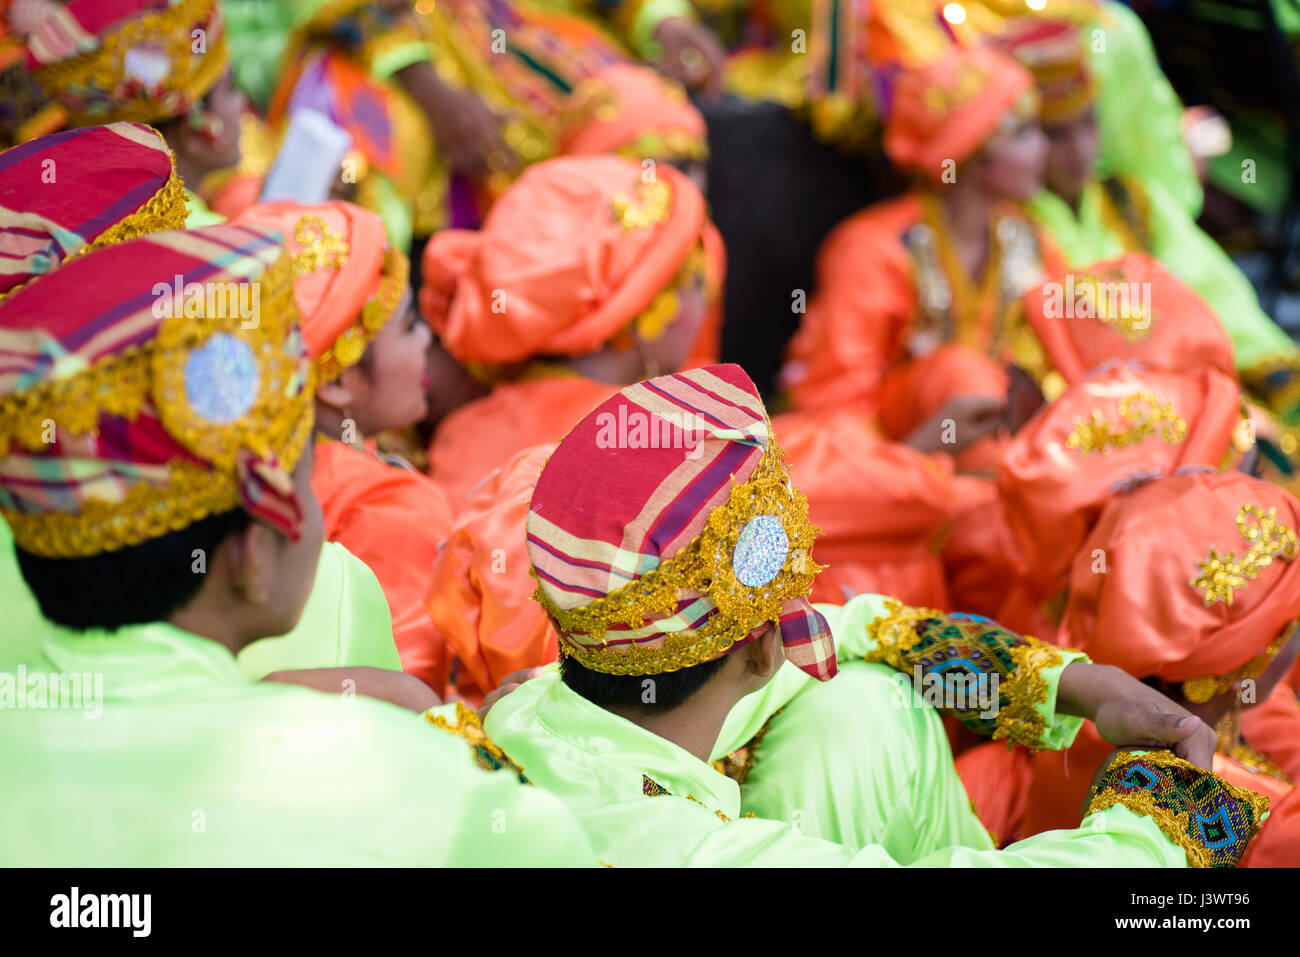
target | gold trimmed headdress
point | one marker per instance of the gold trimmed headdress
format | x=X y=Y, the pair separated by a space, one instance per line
x=71 y=192
x=151 y=65
x=148 y=385
x=664 y=529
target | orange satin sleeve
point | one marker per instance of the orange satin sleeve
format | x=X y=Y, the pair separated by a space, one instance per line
x=479 y=438
x=393 y=519
x=883 y=508
x=997 y=783
x=480 y=596
x=1272 y=728
x=1278 y=842
x=980 y=555
x=865 y=297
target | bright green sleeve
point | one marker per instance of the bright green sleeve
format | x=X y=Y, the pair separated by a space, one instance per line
x=199 y=215
x=346 y=624
x=1138 y=112
x=258 y=31
x=1200 y=262
x=862 y=760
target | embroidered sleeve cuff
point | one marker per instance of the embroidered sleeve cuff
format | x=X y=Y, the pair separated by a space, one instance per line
x=995 y=682
x=1210 y=819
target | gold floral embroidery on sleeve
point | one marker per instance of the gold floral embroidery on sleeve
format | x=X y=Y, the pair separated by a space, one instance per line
x=1019 y=720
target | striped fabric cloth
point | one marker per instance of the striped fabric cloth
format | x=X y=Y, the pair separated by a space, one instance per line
x=634 y=483
x=222 y=363
x=62 y=192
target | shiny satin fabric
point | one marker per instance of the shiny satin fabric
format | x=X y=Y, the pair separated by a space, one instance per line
x=883 y=508
x=394 y=519
x=1162 y=322
x=1053 y=491
x=480 y=595
x=1147 y=614
x=480 y=437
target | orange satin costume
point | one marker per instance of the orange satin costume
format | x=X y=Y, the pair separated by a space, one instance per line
x=1065 y=465
x=897 y=328
x=480 y=599
x=884 y=509
x=1177 y=549
x=349 y=283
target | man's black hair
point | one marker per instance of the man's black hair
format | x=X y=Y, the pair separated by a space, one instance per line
x=641 y=694
x=143 y=583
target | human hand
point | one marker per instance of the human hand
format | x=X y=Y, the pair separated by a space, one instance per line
x=1128 y=713
x=962 y=422
x=691 y=55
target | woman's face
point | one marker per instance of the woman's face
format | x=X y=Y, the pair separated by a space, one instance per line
x=389 y=387
x=1072 y=149
x=1012 y=164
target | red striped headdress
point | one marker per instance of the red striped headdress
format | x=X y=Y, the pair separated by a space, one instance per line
x=664 y=530
x=148 y=385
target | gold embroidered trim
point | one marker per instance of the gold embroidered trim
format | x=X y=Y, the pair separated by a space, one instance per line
x=650 y=207
x=1205 y=687
x=321 y=249
x=277 y=424
x=666 y=306
x=1020 y=721
x=469 y=728
x=353 y=341
x=1174 y=826
x=893 y=633
x=147 y=511
x=666 y=145
x=103 y=69
x=1141 y=414
x=703 y=566
x=1267 y=537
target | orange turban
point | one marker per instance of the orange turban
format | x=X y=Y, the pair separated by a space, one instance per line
x=948 y=108
x=1126 y=308
x=1059 y=471
x=347 y=279
x=1200 y=582
x=575 y=250
x=632 y=111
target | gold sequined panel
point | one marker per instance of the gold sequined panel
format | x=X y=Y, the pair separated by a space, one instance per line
x=649 y=208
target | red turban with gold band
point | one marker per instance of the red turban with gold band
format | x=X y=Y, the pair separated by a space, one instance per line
x=664 y=529
x=148 y=385
x=70 y=192
x=139 y=60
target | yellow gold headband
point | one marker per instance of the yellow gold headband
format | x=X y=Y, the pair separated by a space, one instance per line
x=1205 y=687
x=353 y=341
